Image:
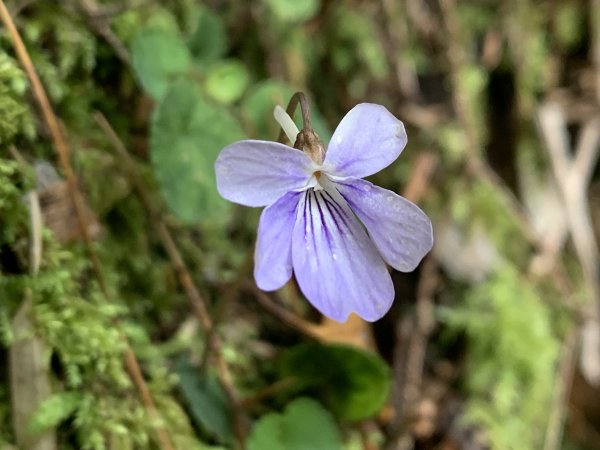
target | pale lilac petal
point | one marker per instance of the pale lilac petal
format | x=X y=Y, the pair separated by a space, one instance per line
x=273 y=252
x=256 y=173
x=400 y=230
x=367 y=139
x=337 y=267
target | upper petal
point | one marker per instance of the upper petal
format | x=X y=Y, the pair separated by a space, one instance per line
x=400 y=230
x=256 y=173
x=367 y=139
x=338 y=268
x=273 y=252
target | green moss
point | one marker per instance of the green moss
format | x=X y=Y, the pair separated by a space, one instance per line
x=15 y=117
x=479 y=203
x=513 y=352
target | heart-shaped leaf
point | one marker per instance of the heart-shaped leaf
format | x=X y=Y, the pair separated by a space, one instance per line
x=188 y=132
x=353 y=383
x=304 y=424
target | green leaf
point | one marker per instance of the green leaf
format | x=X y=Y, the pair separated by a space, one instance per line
x=257 y=109
x=227 y=81
x=354 y=384
x=294 y=11
x=54 y=410
x=304 y=424
x=206 y=401
x=158 y=57
x=187 y=134
x=209 y=41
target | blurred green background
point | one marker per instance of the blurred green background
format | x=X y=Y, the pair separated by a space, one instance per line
x=492 y=343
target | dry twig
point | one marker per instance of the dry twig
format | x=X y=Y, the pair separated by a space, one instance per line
x=398 y=31
x=214 y=344
x=409 y=355
x=564 y=380
x=572 y=176
x=285 y=315
x=97 y=18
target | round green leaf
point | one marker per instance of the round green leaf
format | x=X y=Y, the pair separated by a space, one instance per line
x=304 y=424
x=158 y=58
x=354 y=384
x=258 y=106
x=206 y=401
x=294 y=11
x=227 y=81
x=187 y=134
x=208 y=42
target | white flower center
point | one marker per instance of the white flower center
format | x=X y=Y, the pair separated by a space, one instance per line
x=314 y=180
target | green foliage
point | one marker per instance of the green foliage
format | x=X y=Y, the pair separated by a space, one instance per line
x=512 y=359
x=14 y=114
x=353 y=384
x=64 y=54
x=215 y=73
x=206 y=401
x=54 y=410
x=356 y=44
x=94 y=345
x=304 y=424
x=529 y=50
x=188 y=132
x=227 y=81
x=569 y=23
x=291 y=11
x=481 y=204
x=159 y=58
x=209 y=41
x=14 y=182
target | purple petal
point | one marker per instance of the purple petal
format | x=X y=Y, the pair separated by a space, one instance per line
x=367 y=139
x=256 y=173
x=400 y=230
x=338 y=268
x=273 y=253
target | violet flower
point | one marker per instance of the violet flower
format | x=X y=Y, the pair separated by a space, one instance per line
x=322 y=221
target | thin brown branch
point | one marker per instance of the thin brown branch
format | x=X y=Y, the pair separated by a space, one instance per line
x=297 y=98
x=98 y=21
x=562 y=387
x=409 y=352
x=420 y=176
x=197 y=302
x=413 y=330
x=397 y=30
x=285 y=315
x=62 y=149
x=279 y=386
x=457 y=59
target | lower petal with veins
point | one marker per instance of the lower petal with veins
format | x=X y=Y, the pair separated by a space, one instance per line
x=337 y=266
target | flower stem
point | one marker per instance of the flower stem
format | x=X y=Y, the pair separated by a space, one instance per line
x=298 y=97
